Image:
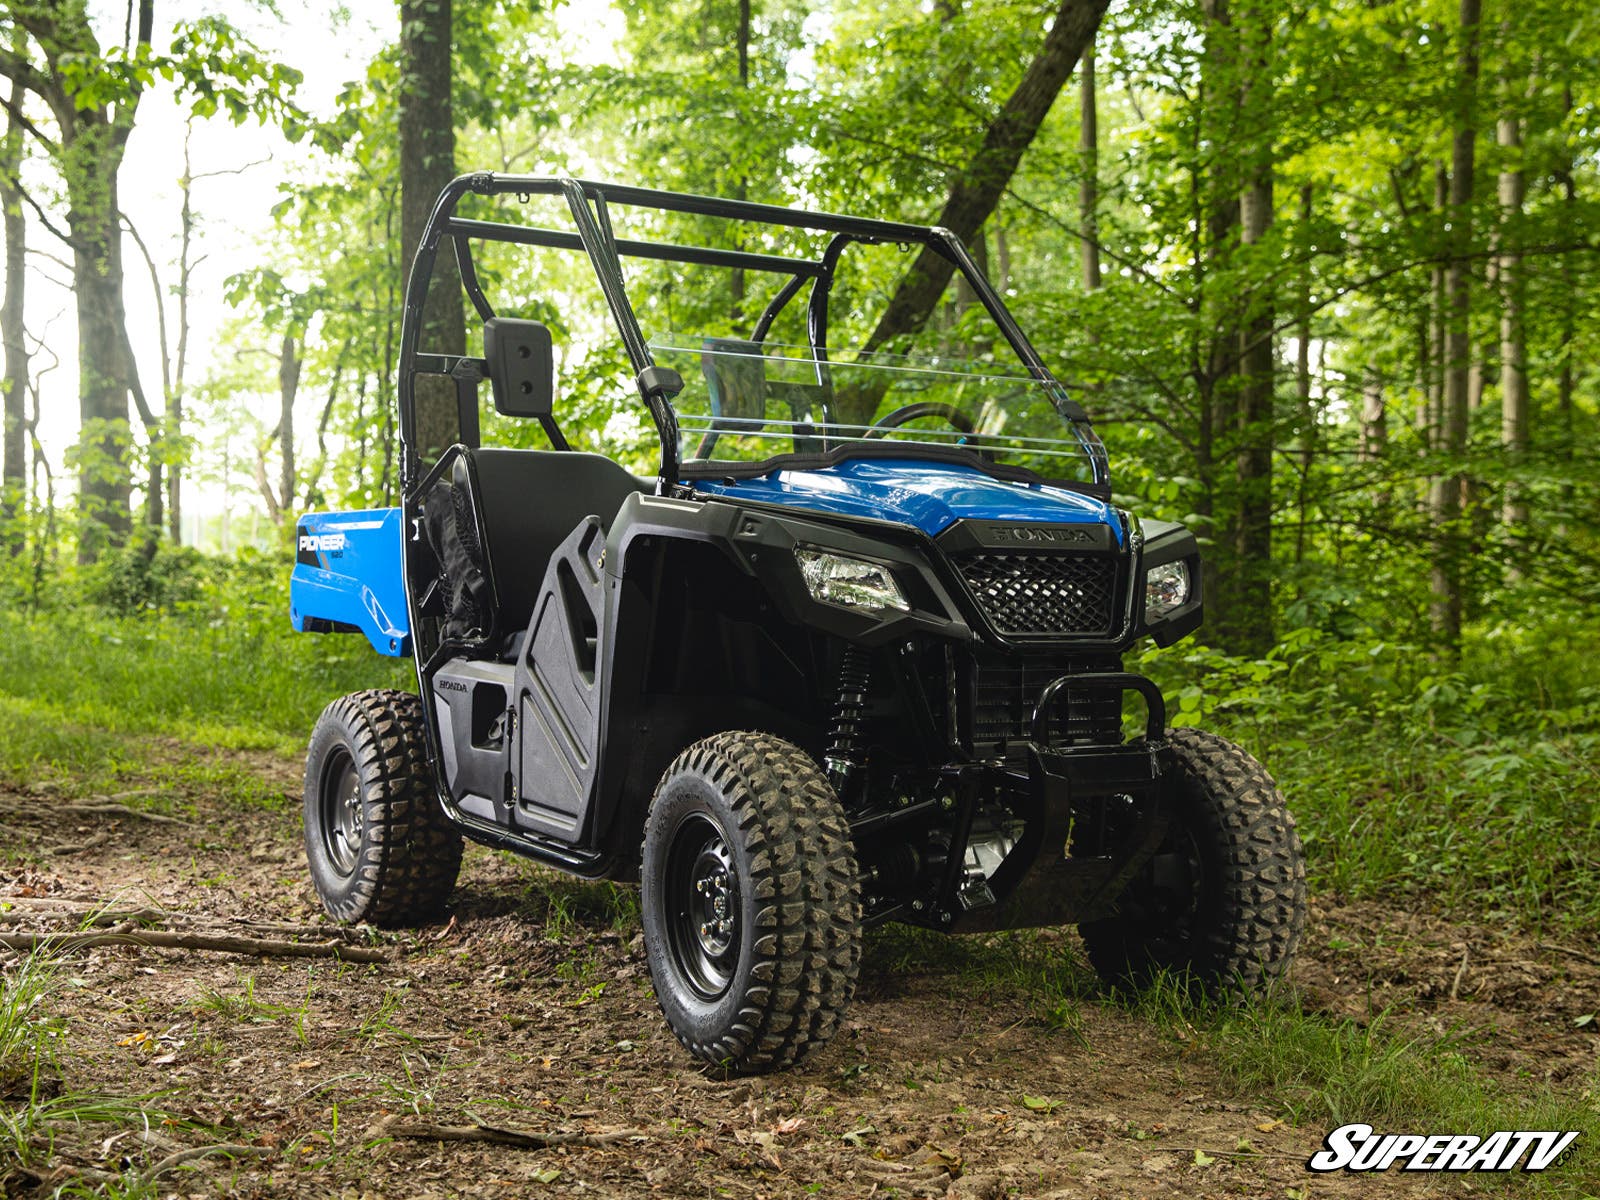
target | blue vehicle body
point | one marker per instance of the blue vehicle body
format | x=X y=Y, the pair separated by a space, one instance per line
x=348 y=577
x=348 y=571
x=928 y=496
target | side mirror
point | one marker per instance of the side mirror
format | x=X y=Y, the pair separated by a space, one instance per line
x=522 y=367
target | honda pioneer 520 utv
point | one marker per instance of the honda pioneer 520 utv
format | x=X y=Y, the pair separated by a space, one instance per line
x=852 y=654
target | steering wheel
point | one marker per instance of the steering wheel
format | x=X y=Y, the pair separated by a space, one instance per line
x=960 y=421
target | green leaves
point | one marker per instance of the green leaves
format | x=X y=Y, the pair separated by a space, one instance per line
x=215 y=68
x=220 y=71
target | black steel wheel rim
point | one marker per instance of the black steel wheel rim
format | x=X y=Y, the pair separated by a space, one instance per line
x=700 y=887
x=342 y=818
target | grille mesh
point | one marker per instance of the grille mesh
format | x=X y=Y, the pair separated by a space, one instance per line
x=1004 y=694
x=1044 y=594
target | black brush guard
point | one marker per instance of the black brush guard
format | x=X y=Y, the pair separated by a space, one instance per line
x=1127 y=791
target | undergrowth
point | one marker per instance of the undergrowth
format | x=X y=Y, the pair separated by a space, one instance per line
x=37 y=1105
x=1466 y=787
x=1317 y=1071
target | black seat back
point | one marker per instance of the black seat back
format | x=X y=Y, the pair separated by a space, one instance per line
x=529 y=501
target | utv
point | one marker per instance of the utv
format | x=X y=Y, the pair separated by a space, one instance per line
x=852 y=654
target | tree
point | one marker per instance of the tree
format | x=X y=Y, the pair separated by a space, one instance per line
x=1247 y=614
x=280 y=501
x=977 y=187
x=427 y=164
x=1449 y=488
x=93 y=125
x=13 y=328
x=1089 y=185
x=93 y=93
x=1513 y=347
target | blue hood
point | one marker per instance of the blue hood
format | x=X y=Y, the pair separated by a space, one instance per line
x=929 y=496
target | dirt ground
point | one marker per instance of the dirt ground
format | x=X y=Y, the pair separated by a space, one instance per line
x=512 y=1014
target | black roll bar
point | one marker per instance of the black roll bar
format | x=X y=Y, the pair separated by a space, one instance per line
x=589 y=202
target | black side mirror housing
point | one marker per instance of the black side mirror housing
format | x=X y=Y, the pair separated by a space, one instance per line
x=522 y=367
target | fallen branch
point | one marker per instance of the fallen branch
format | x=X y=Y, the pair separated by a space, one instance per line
x=1571 y=953
x=1461 y=973
x=87 y=916
x=127 y=935
x=283 y=930
x=100 y=806
x=525 y=1139
x=1229 y=1153
x=107 y=808
x=99 y=839
x=187 y=1156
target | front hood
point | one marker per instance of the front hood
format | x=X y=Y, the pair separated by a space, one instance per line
x=929 y=496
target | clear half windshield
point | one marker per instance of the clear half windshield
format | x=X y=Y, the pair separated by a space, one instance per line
x=747 y=408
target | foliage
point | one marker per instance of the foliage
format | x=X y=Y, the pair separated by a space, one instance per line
x=1466 y=787
x=193 y=646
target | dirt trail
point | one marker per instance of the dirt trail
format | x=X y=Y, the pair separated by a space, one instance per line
x=517 y=1014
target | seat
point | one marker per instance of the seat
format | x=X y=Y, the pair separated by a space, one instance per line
x=528 y=501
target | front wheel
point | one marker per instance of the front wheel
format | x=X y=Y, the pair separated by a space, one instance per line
x=751 y=903
x=1223 y=902
x=379 y=846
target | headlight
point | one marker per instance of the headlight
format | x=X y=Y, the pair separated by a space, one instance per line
x=850 y=582
x=1166 y=589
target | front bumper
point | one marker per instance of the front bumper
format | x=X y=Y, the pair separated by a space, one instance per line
x=1093 y=816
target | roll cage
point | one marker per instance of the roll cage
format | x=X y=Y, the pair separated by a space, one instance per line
x=590 y=204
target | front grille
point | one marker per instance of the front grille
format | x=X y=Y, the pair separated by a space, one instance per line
x=1005 y=691
x=1042 y=595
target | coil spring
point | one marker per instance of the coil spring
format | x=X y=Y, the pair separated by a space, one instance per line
x=844 y=735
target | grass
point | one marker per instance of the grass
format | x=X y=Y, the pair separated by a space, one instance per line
x=239 y=681
x=28 y=1036
x=36 y=1107
x=1326 y=1072
x=1317 y=1071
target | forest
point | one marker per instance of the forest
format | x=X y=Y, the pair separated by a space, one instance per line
x=1326 y=277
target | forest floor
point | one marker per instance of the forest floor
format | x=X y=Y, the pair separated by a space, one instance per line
x=529 y=1007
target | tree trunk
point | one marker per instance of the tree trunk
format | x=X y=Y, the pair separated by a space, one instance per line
x=741 y=192
x=89 y=153
x=1430 y=419
x=13 y=333
x=1513 y=364
x=1251 y=618
x=1302 y=378
x=1089 y=166
x=976 y=190
x=288 y=386
x=427 y=164
x=104 y=435
x=1214 y=355
x=1374 y=419
x=1566 y=382
x=1448 y=489
x=180 y=358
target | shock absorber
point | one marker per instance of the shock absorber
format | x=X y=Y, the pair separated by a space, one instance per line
x=843 y=759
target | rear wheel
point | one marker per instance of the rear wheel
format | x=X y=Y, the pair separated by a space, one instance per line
x=750 y=901
x=379 y=847
x=1223 y=902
